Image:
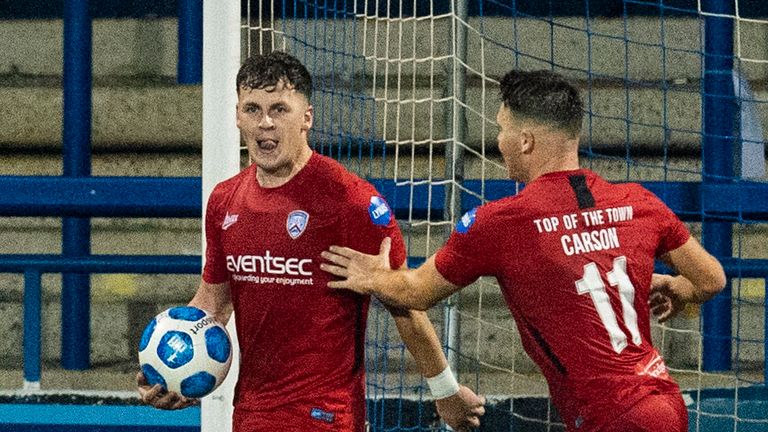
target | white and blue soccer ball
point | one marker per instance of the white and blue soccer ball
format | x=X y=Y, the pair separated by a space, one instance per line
x=185 y=350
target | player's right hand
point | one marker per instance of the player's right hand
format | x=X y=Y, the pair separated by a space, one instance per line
x=355 y=268
x=461 y=411
x=159 y=397
x=664 y=301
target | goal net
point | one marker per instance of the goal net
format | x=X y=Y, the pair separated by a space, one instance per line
x=674 y=91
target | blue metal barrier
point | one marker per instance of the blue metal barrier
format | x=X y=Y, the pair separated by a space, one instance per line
x=189 y=68
x=719 y=112
x=100 y=196
x=33 y=266
x=181 y=197
x=96 y=418
x=32 y=327
x=76 y=137
x=709 y=410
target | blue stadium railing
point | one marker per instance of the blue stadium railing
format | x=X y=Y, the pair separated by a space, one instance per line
x=76 y=140
x=718 y=202
x=95 y=417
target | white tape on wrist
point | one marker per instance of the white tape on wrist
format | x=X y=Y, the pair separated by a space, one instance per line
x=443 y=384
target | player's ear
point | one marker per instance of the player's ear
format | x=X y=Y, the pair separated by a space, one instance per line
x=237 y=109
x=527 y=141
x=309 y=115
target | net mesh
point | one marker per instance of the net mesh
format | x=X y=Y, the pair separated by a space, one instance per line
x=406 y=96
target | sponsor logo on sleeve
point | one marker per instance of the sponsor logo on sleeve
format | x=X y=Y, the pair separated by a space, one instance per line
x=466 y=221
x=296 y=223
x=379 y=211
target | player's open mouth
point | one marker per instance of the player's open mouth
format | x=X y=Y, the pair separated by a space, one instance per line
x=267 y=145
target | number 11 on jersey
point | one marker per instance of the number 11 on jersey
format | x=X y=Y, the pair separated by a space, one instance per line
x=592 y=283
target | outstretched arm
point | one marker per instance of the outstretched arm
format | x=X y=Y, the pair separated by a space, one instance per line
x=700 y=278
x=458 y=406
x=419 y=288
x=408 y=293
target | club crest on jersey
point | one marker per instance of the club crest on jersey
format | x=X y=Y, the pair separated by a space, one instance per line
x=379 y=211
x=466 y=221
x=296 y=223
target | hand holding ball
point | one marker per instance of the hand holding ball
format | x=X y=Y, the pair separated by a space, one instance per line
x=185 y=350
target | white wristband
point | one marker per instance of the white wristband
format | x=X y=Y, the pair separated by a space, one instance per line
x=443 y=384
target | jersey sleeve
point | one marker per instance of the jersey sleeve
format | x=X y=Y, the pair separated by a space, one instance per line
x=466 y=256
x=672 y=231
x=215 y=267
x=372 y=221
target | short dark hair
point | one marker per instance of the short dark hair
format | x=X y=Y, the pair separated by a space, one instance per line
x=262 y=71
x=544 y=97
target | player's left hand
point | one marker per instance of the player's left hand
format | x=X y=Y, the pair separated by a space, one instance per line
x=664 y=301
x=160 y=398
x=461 y=411
x=355 y=268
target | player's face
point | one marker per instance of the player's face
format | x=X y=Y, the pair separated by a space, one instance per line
x=509 y=143
x=274 y=123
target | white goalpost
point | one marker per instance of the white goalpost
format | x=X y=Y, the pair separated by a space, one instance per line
x=221 y=159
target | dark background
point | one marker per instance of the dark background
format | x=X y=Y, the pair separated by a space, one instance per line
x=34 y=9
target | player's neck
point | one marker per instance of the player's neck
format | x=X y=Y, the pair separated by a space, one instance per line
x=567 y=160
x=275 y=178
x=554 y=169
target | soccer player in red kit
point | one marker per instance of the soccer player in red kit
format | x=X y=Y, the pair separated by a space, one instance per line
x=574 y=257
x=301 y=343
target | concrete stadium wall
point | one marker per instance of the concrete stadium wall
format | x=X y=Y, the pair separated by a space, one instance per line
x=149 y=46
x=143 y=124
x=662 y=107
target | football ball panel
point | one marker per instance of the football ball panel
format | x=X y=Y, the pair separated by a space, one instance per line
x=175 y=349
x=198 y=385
x=217 y=344
x=186 y=313
x=186 y=351
x=153 y=376
x=147 y=334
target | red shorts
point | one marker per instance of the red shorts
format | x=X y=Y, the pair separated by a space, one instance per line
x=653 y=413
x=297 y=419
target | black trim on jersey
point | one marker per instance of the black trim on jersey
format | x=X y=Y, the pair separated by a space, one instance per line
x=547 y=350
x=580 y=188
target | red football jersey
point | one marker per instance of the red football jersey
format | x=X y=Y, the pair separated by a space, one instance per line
x=301 y=343
x=573 y=255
